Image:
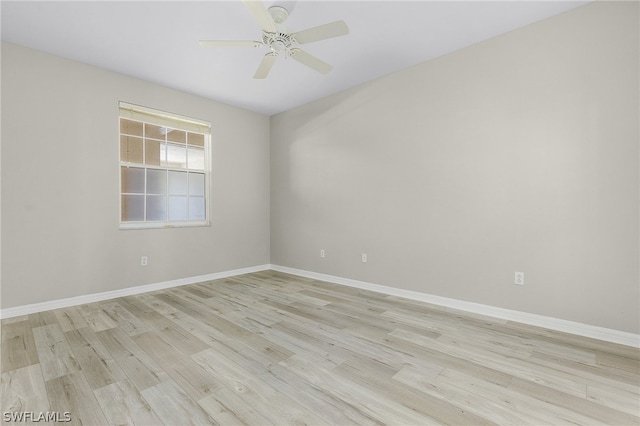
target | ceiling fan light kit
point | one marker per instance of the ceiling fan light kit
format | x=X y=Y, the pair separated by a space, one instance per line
x=279 y=14
x=280 y=42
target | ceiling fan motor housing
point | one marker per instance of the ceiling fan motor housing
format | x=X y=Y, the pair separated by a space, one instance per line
x=279 y=42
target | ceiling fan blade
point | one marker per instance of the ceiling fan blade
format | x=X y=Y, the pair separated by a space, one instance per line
x=311 y=61
x=322 y=32
x=261 y=15
x=265 y=66
x=229 y=43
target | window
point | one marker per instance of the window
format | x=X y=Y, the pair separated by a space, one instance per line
x=164 y=169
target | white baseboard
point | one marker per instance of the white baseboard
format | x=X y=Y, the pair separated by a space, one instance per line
x=97 y=297
x=600 y=333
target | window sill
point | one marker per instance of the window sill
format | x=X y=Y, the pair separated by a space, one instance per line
x=162 y=225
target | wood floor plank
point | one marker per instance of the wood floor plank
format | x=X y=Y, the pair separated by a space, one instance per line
x=123 y=404
x=332 y=409
x=570 y=354
x=181 y=368
x=124 y=319
x=513 y=366
x=175 y=335
x=118 y=343
x=614 y=397
x=544 y=335
x=23 y=390
x=87 y=337
x=18 y=346
x=135 y=305
x=224 y=413
x=19 y=318
x=71 y=393
x=40 y=319
x=465 y=400
x=174 y=407
x=95 y=317
x=506 y=407
x=151 y=301
x=273 y=405
x=254 y=322
x=225 y=405
x=362 y=398
x=303 y=343
x=619 y=362
x=54 y=352
x=272 y=348
x=441 y=409
x=98 y=370
x=70 y=319
x=588 y=373
x=141 y=370
x=598 y=412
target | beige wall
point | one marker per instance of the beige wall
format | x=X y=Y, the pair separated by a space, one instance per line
x=60 y=192
x=517 y=154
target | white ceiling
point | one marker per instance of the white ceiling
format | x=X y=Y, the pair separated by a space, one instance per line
x=158 y=41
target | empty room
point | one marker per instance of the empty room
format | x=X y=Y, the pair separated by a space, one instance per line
x=320 y=212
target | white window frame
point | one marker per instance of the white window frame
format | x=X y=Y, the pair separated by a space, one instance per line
x=161 y=118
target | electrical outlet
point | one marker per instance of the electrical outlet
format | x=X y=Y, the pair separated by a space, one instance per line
x=519 y=278
x=364 y=257
x=144 y=261
x=322 y=253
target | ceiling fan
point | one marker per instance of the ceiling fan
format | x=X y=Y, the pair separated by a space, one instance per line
x=281 y=42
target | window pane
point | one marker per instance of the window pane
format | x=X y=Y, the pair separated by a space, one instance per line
x=163 y=169
x=156 y=207
x=131 y=149
x=176 y=156
x=196 y=139
x=177 y=208
x=154 y=152
x=196 y=158
x=129 y=127
x=196 y=184
x=156 y=181
x=178 y=136
x=132 y=208
x=196 y=208
x=155 y=132
x=132 y=180
x=178 y=183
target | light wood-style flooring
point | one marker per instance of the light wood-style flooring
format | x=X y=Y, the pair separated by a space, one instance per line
x=270 y=348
